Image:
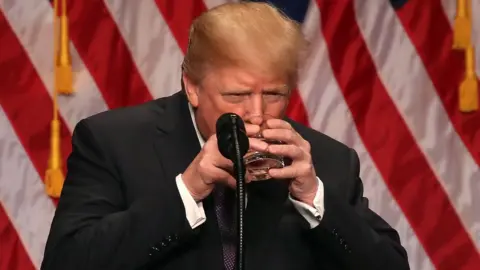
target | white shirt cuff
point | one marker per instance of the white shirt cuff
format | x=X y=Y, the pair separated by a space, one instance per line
x=193 y=210
x=312 y=214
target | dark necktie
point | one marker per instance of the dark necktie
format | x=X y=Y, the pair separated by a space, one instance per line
x=224 y=199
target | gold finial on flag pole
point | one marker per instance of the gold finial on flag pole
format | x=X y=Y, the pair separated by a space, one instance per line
x=63 y=63
x=462 y=29
x=54 y=177
x=469 y=87
x=462 y=40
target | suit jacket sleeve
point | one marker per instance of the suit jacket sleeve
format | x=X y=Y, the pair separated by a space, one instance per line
x=95 y=228
x=354 y=235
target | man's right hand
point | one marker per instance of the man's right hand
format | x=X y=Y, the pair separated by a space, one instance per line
x=210 y=167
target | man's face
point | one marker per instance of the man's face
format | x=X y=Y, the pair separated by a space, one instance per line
x=254 y=98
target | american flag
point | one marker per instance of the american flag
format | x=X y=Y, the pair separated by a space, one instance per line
x=381 y=76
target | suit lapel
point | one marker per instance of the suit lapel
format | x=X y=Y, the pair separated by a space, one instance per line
x=177 y=143
x=176 y=146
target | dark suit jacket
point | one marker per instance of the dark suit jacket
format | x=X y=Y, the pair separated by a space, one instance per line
x=120 y=207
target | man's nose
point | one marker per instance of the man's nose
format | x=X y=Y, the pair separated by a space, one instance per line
x=256 y=109
x=256 y=119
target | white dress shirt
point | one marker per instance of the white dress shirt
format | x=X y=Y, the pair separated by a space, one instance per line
x=196 y=214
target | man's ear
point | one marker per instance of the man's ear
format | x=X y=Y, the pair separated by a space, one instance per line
x=191 y=90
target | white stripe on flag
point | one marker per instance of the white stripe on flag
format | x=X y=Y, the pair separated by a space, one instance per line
x=153 y=48
x=417 y=101
x=22 y=193
x=31 y=21
x=213 y=3
x=449 y=7
x=324 y=102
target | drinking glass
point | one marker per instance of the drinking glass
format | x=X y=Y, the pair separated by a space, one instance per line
x=257 y=163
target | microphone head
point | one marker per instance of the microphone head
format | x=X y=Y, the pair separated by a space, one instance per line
x=226 y=125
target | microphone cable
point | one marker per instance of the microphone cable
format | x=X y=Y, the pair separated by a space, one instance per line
x=233 y=144
x=239 y=169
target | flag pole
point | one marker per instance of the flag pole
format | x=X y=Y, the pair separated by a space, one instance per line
x=462 y=28
x=462 y=40
x=64 y=80
x=54 y=177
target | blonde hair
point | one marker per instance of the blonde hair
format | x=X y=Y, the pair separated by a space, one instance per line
x=254 y=36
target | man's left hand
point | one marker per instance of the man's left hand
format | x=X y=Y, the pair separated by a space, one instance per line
x=304 y=182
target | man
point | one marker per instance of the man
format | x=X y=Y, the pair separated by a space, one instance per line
x=148 y=189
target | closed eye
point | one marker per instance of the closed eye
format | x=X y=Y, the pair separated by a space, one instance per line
x=274 y=96
x=235 y=97
x=281 y=91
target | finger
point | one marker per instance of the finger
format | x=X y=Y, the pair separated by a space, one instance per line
x=285 y=135
x=216 y=160
x=288 y=150
x=248 y=177
x=225 y=166
x=291 y=172
x=251 y=129
x=231 y=181
x=278 y=123
x=220 y=175
x=284 y=173
x=257 y=144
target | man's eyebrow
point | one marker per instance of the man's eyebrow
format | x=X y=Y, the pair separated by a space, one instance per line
x=283 y=88
x=236 y=91
x=276 y=89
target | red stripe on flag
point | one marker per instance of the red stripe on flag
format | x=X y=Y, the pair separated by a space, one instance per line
x=105 y=54
x=180 y=14
x=392 y=147
x=13 y=254
x=296 y=108
x=428 y=28
x=26 y=102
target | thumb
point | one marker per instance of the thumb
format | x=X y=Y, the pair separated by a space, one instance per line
x=231 y=181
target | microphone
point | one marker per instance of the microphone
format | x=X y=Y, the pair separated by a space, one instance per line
x=230 y=127
x=233 y=144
